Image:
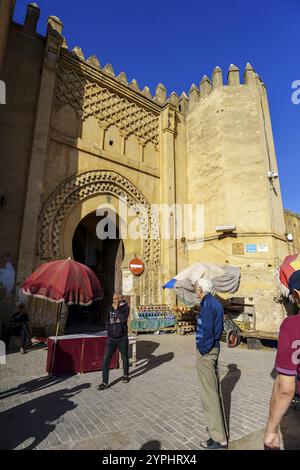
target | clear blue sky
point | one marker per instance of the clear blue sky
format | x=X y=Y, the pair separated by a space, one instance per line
x=176 y=42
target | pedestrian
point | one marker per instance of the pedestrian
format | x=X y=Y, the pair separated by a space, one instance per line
x=19 y=326
x=117 y=332
x=287 y=365
x=210 y=323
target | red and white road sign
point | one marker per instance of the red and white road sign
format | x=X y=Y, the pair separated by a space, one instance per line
x=136 y=266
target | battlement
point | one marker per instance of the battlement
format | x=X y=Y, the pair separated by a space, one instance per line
x=183 y=103
x=207 y=85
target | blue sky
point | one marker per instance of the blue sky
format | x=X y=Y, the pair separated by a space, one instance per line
x=177 y=42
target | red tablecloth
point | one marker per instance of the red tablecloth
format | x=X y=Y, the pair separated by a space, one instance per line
x=78 y=353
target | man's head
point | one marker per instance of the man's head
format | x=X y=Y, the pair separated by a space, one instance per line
x=294 y=286
x=22 y=307
x=203 y=287
x=117 y=297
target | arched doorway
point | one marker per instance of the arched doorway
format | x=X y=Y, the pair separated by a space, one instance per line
x=81 y=195
x=105 y=258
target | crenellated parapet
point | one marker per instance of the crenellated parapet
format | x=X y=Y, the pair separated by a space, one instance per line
x=55 y=26
x=160 y=96
x=208 y=86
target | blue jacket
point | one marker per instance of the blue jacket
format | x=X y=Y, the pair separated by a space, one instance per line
x=210 y=323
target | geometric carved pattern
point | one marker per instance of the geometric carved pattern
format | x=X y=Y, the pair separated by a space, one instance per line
x=84 y=185
x=88 y=98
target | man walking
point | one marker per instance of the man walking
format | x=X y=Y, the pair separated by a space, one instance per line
x=117 y=332
x=209 y=330
x=288 y=369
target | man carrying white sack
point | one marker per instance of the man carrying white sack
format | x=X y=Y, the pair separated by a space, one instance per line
x=209 y=330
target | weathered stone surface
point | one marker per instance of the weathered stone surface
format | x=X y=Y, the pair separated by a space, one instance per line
x=94 y=61
x=146 y=92
x=173 y=99
x=134 y=85
x=78 y=52
x=160 y=94
x=109 y=69
x=217 y=77
x=233 y=75
x=292 y=221
x=205 y=86
x=122 y=78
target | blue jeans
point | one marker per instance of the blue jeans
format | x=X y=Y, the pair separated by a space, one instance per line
x=111 y=346
x=22 y=332
x=24 y=336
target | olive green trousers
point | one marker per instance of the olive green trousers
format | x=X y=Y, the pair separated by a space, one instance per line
x=210 y=392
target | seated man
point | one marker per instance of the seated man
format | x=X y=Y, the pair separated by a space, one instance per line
x=19 y=326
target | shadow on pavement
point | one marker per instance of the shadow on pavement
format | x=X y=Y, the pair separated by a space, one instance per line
x=34 y=420
x=145 y=351
x=227 y=386
x=33 y=385
x=151 y=445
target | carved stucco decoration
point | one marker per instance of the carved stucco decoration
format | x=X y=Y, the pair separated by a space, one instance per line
x=85 y=185
x=88 y=98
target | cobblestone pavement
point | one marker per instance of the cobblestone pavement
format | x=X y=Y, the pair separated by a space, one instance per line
x=161 y=402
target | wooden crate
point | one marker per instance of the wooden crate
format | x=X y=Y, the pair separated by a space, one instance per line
x=185 y=327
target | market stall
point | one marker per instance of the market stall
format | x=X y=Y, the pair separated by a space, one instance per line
x=152 y=318
x=77 y=353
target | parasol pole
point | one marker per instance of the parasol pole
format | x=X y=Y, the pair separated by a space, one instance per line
x=58 y=313
x=58 y=318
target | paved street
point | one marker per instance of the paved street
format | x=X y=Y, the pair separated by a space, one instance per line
x=161 y=403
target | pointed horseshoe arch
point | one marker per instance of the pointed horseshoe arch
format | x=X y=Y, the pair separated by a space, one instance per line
x=82 y=186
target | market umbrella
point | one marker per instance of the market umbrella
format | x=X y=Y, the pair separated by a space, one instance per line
x=286 y=269
x=224 y=279
x=64 y=281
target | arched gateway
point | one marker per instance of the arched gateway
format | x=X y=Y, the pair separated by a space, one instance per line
x=81 y=195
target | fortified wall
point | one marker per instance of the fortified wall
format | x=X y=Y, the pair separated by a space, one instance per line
x=87 y=136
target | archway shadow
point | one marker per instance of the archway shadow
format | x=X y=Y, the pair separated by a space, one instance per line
x=228 y=384
x=145 y=350
x=34 y=420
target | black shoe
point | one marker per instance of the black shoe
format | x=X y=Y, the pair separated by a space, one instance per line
x=213 y=445
x=125 y=379
x=102 y=386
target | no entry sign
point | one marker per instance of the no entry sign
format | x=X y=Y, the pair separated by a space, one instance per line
x=136 y=266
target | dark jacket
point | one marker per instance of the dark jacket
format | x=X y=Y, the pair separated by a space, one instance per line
x=19 y=322
x=116 y=323
x=210 y=324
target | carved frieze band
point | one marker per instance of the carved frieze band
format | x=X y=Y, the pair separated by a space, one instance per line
x=89 y=98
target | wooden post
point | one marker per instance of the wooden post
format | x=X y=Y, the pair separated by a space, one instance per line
x=59 y=307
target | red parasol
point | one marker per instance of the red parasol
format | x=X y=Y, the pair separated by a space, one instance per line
x=64 y=281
